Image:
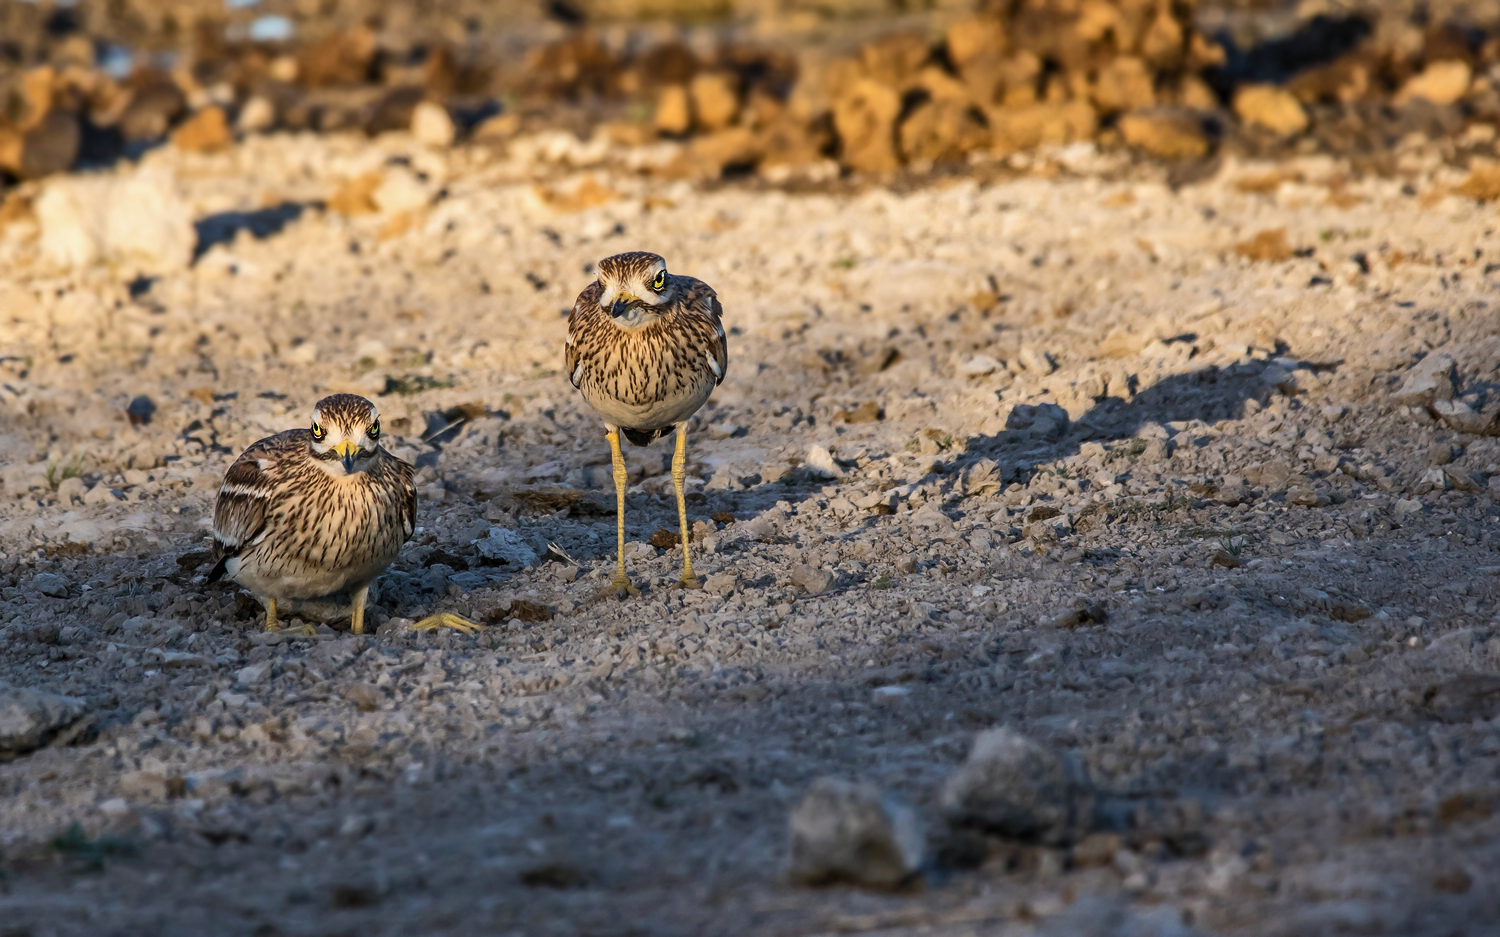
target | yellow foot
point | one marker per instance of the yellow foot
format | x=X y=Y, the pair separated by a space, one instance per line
x=305 y=630
x=690 y=582
x=447 y=620
x=619 y=588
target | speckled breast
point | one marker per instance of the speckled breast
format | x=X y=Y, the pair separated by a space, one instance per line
x=341 y=539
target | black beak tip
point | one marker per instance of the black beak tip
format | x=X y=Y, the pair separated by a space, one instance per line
x=348 y=463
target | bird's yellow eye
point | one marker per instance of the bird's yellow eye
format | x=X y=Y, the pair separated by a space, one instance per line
x=374 y=430
x=317 y=431
x=660 y=283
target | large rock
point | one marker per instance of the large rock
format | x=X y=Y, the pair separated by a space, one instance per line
x=402 y=190
x=1125 y=84
x=580 y=64
x=257 y=116
x=1163 y=43
x=789 y=141
x=39 y=129
x=42 y=147
x=341 y=58
x=357 y=196
x=28 y=717
x=715 y=99
x=138 y=220
x=974 y=36
x=993 y=78
x=1272 y=107
x=865 y=120
x=505 y=546
x=1023 y=128
x=1013 y=786
x=847 y=831
x=1472 y=413
x=1190 y=91
x=154 y=102
x=205 y=132
x=938 y=84
x=1170 y=133
x=1433 y=378
x=730 y=148
x=674 y=111
x=1441 y=83
x=941 y=131
x=432 y=125
x=394 y=110
x=1483 y=184
x=1346 y=79
x=895 y=60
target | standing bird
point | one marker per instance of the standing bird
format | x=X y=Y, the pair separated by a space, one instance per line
x=308 y=513
x=646 y=348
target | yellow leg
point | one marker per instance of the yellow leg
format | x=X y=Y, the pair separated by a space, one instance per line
x=357 y=619
x=430 y=623
x=679 y=474
x=447 y=620
x=620 y=584
x=272 y=624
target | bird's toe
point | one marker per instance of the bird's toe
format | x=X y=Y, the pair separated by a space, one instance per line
x=450 y=621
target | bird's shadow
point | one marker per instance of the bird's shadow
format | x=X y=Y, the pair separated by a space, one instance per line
x=1315 y=42
x=223 y=227
x=1035 y=436
x=1038 y=434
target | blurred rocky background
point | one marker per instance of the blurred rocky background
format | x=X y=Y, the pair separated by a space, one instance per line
x=775 y=87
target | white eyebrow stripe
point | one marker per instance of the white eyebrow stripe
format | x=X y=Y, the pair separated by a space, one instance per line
x=713 y=363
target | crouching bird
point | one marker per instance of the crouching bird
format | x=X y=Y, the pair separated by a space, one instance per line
x=309 y=513
x=646 y=348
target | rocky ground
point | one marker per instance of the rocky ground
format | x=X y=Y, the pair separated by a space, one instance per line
x=1195 y=486
x=744 y=87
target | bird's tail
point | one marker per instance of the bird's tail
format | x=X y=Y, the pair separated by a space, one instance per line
x=645 y=437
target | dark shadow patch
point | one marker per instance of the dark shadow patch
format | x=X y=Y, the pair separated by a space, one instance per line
x=140 y=286
x=262 y=223
x=555 y=875
x=1314 y=43
x=1040 y=434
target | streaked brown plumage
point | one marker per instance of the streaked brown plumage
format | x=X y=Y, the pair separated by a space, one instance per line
x=646 y=348
x=308 y=513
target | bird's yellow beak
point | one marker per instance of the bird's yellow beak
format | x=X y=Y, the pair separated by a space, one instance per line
x=623 y=302
x=346 y=451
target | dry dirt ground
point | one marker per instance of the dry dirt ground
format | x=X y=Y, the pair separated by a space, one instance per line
x=1044 y=451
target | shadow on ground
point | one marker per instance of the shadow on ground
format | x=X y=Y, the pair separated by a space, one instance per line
x=1039 y=434
x=222 y=228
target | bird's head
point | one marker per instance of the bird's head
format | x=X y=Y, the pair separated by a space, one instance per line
x=632 y=287
x=345 y=433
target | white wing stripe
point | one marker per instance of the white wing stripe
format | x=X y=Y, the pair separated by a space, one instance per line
x=249 y=491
